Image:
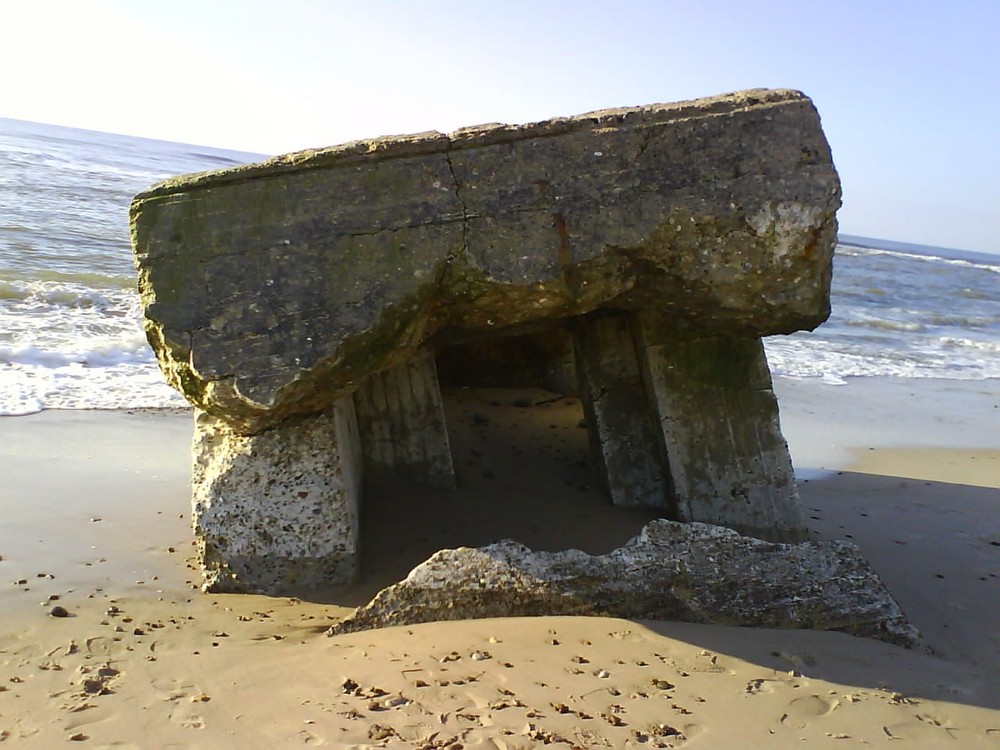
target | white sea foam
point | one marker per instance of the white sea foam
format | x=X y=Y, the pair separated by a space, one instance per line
x=870 y=321
x=66 y=345
x=992 y=347
x=100 y=354
x=920 y=258
x=27 y=389
x=831 y=363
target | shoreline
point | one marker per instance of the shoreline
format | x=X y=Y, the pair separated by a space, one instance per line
x=825 y=424
x=98 y=500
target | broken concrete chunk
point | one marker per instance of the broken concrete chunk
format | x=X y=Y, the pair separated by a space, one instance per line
x=671 y=571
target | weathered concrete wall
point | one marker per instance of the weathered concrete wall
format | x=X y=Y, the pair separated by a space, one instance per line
x=402 y=424
x=686 y=425
x=276 y=289
x=622 y=425
x=277 y=511
x=727 y=459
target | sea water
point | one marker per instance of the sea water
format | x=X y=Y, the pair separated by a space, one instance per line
x=909 y=312
x=70 y=323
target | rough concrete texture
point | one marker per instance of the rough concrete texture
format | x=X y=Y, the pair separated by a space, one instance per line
x=719 y=432
x=402 y=425
x=277 y=511
x=623 y=429
x=670 y=571
x=275 y=289
x=300 y=303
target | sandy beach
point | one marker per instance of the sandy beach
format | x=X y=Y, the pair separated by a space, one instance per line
x=95 y=522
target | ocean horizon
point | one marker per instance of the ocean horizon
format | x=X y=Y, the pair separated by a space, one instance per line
x=71 y=332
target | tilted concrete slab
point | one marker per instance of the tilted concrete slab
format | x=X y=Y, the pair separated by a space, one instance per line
x=275 y=289
x=300 y=302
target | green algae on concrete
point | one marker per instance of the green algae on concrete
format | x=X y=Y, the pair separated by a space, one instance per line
x=256 y=280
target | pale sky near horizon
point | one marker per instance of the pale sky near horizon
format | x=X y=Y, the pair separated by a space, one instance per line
x=909 y=91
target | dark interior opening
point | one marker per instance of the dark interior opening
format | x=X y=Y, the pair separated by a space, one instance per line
x=522 y=461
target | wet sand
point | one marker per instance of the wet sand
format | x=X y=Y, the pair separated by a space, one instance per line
x=95 y=509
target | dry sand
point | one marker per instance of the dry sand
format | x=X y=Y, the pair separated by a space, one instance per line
x=95 y=520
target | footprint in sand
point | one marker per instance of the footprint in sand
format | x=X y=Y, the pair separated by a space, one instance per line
x=180 y=695
x=802 y=710
x=181 y=714
x=189 y=720
x=812 y=706
x=102 y=646
x=308 y=738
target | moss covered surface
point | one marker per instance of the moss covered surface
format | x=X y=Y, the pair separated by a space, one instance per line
x=273 y=289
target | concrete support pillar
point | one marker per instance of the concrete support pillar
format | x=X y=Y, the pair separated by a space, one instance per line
x=624 y=432
x=402 y=424
x=718 y=415
x=687 y=425
x=277 y=511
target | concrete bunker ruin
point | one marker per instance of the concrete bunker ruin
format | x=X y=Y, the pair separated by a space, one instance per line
x=304 y=306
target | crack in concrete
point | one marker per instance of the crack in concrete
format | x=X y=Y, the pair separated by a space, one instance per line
x=438 y=221
x=565 y=257
x=461 y=202
x=647 y=138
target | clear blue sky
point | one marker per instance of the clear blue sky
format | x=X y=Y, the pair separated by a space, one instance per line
x=909 y=90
